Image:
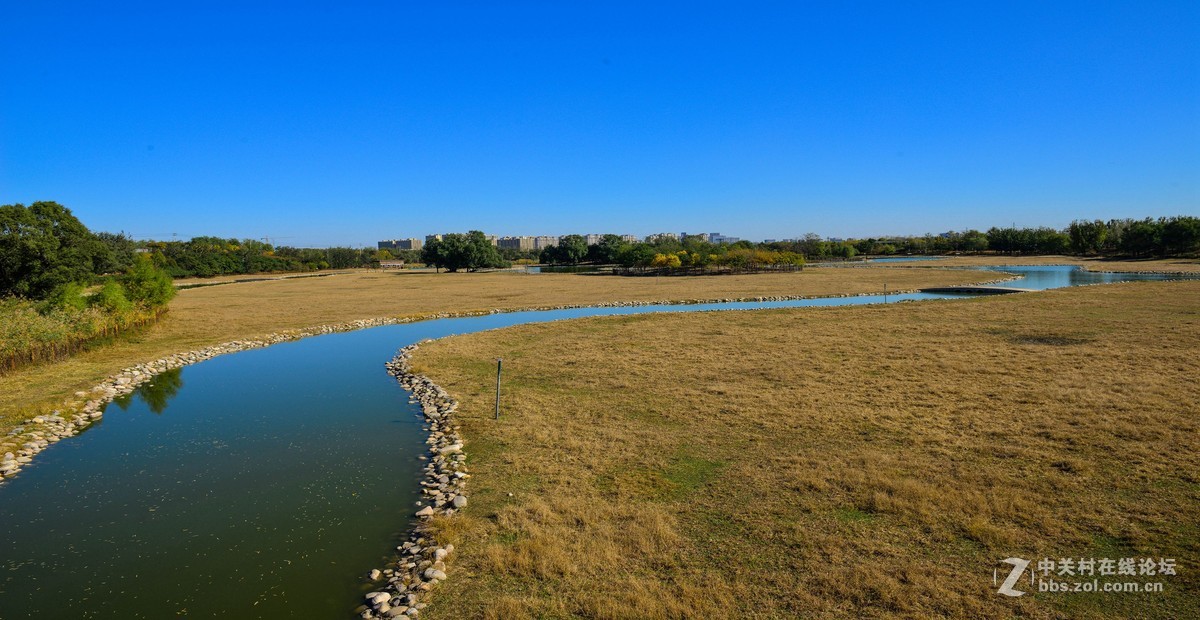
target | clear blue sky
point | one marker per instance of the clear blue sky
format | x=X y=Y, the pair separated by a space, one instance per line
x=318 y=125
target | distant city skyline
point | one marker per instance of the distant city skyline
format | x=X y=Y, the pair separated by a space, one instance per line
x=322 y=126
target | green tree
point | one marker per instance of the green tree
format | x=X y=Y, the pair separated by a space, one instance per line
x=636 y=255
x=481 y=254
x=1087 y=237
x=455 y=251
x=1180 y=235
x=974 y=241
x=148 y=285
x=431 y=254
x=1141 y=238
x=572 y=249
x=43 y=247
x=118 y=255
x=606 y=252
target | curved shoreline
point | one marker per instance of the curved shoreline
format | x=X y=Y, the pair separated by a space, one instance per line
x=19 y=446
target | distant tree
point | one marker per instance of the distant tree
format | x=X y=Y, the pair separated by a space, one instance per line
x=1048 y=241
x=408 y=256
x=455 y=251
x=431 y=254
x=636 y=255
x=666 y=260
x=481 y=254
x=974 y=241
x=605 y=252
x=343 y=258
x=1116 y=235
x=1087 y=237
x=1141 y=238
x=572 y=249
x=119 y=253
x=1180 y=235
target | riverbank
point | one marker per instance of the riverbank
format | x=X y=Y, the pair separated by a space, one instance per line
x=35 y=434
x=209 y=316
x=854 y=461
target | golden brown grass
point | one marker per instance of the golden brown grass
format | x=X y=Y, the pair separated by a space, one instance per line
x=839 y=462
x=204 y=316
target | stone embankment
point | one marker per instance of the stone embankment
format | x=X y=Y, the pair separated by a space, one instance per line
x=421 y=563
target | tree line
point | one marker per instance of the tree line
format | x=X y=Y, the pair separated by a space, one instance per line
x=1149 y=237
x=1167 y=236
x=213 y=256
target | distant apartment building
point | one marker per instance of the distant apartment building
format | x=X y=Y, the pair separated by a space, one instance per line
x=431 y=238
x=719 y=238
x=516 y=243
x=593 y=239
x=544 y=241
x=401 y=244
x=629 y=238
x=659 y=236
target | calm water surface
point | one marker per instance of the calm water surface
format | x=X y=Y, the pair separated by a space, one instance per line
x=256 y=485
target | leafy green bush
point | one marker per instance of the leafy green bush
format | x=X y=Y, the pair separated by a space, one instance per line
x=148 y=285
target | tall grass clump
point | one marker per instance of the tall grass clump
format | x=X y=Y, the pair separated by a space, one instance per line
x=70 y=319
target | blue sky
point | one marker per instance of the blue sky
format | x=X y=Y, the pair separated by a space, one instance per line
x=319 y=125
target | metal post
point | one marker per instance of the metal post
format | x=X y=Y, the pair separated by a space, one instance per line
x=885 y=292
x=499 y=365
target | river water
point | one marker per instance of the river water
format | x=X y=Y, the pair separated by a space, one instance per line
x=261 y=484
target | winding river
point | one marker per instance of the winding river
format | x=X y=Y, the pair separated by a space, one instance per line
x=262 y=484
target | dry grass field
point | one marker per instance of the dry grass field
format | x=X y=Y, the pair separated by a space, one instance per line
x=829 y=463
x=204 y=316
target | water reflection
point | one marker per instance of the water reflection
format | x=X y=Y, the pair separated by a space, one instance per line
x=155 y=393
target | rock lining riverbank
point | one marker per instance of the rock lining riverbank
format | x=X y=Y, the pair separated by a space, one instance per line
x=421 y=561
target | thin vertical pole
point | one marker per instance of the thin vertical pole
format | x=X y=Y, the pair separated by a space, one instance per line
x=499 y=365
x=885 y=292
